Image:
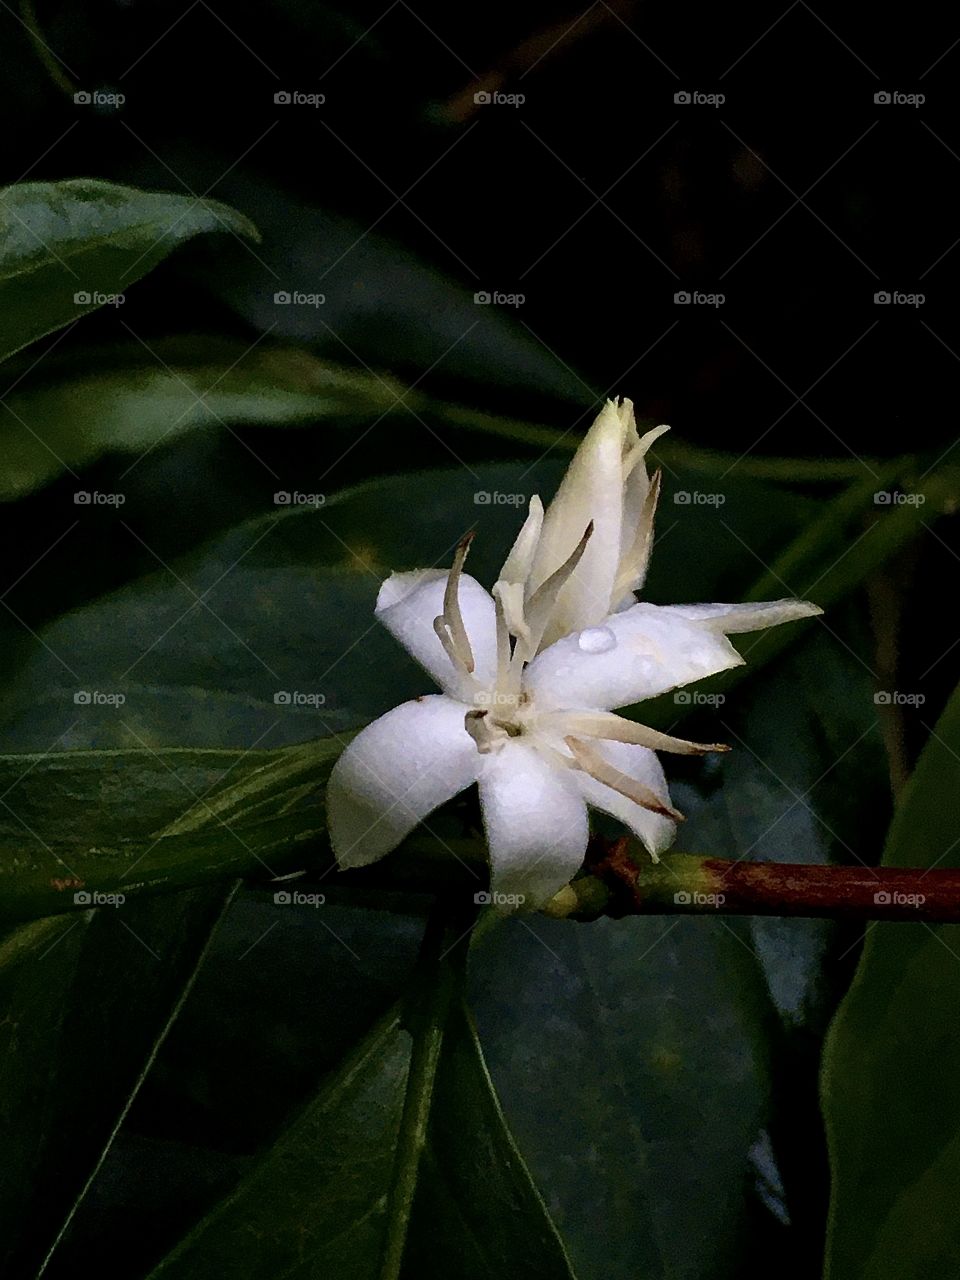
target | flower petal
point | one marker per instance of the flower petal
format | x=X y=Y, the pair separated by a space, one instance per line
x=407 y=605
x=656 y=648
x=731 y=618
x=394 y=773
x=591 y=489
x=654 y=831
x=535 y=821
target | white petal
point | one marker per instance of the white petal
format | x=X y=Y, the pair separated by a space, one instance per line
x=396 y=772
x=591 y=489
x=536 y=824
x=731 y=618
x=407 y=605
x=654 y=650
x=655 y=831
x=658 y=647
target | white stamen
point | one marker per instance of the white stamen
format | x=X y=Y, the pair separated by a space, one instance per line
x=639 y=450
x=544 y=599
x=591 y=762
x=614 y=728
x=503 y=643
x=632 y=570
x=510 y=595
x=449 y=625
x=517 y=566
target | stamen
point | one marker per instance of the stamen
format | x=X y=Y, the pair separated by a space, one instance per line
x=449 y=625
x=592 y=763
x=517 y=566
x=443 y=635
x=503 y=643
x=510 y=595
x=544 y=599
x=633 y=566
x=488 y=736
x=614 y=728
x=639 y=450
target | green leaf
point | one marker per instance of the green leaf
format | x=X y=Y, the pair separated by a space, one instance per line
x=135 y=404
x=87 y=1001
x=806 y=781
x=381 y=297
x=67 y=248
x=630 y=1058
x=287 y=608
x=892 y=1113
x=326 y=1199
x=74 y=825
x=474 y=1179
x=315 y=1203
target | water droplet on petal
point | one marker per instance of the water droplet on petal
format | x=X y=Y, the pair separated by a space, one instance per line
x=597 y=640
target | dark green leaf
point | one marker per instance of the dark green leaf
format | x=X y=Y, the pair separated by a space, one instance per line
x=630 y=1058
x=318 y=1203
x=315 y=1203
x=87 y=1001
x=475 y=1180
x=131 y=406
x=67 y=248
x=892 y=1057
x=74 y=825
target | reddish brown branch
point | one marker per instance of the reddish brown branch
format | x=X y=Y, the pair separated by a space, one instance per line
x=621 y=881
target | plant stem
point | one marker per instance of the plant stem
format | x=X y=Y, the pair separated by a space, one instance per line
x=683 y=884
x=440 y=968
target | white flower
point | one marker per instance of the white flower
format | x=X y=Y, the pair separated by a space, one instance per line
x=531 y=676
